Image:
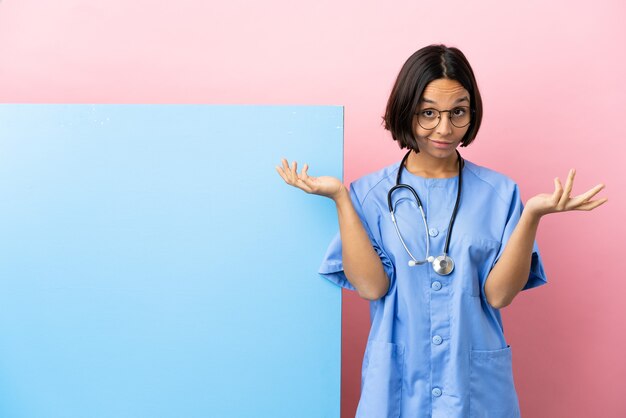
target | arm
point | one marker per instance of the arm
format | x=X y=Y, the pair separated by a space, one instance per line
x=510 y=274
x=361 y=264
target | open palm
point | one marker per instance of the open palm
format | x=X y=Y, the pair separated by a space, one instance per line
x=324 y=186
x=560 y=200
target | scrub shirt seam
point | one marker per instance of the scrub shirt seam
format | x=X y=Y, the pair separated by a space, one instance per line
x=374 y=186
x=489 y=183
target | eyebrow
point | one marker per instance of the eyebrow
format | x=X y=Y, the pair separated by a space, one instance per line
x=465 y=98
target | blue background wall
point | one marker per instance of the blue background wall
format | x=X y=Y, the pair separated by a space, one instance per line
x=153 y=263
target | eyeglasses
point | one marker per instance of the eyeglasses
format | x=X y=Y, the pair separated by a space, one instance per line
x=460 y=117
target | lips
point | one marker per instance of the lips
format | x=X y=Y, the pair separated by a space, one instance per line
x=442 y=143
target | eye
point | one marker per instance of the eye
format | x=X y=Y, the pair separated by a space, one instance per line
x=459 y=111
x=428 y=113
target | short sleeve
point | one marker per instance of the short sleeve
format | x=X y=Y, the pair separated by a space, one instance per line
x=537 y=275
x=332 y=264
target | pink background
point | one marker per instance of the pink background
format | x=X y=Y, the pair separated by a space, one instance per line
x=552 y=79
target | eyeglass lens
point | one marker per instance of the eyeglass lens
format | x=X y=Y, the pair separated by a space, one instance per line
x=430 y=118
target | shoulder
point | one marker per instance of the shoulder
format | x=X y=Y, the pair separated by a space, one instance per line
x=376 y=184
x=500 y=184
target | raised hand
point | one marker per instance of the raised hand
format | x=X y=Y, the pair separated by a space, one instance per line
x=327 y=186
x=560 y=200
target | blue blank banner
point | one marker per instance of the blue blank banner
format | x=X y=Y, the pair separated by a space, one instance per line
x=154 y=264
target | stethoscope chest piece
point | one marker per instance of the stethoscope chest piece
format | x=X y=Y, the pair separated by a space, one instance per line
x=443 y=265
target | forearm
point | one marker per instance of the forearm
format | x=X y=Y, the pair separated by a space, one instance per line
x=361 y=263
x=510 y=274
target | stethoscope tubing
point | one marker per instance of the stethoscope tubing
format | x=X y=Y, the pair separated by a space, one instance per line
x=400 y=185
x=395 y=224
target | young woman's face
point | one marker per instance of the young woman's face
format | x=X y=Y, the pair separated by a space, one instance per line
x=442 y=140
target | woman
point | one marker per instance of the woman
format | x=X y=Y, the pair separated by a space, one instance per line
x=436 y=279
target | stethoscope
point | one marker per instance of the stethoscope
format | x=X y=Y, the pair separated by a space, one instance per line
x=443 y=264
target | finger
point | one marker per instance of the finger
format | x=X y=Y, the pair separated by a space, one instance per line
x=558 y=190
x=281 y=173
x=293 y=176
x=304 y=181
x=287 y=174
x=308 y=181
x=592 y=204
x=567 y=190
x=290 y=173
x=294 y=170
x=286 y=169
x=580 y=199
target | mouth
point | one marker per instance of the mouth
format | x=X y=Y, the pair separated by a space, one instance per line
x=440 y=142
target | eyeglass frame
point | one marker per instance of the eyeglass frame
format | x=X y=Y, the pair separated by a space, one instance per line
x=472 y=111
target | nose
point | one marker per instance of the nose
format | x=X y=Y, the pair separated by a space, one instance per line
x=445 y=126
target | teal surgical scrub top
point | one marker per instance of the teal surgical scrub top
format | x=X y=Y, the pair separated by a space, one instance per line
x=436 y=348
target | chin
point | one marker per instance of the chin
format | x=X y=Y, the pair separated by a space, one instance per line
x=442 y=153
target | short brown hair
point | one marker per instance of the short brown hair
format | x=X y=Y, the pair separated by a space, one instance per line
x=427 y=64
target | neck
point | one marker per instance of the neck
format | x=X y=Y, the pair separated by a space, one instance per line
x=424 y=165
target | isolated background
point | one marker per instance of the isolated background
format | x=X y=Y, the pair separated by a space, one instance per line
x=552 y=79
